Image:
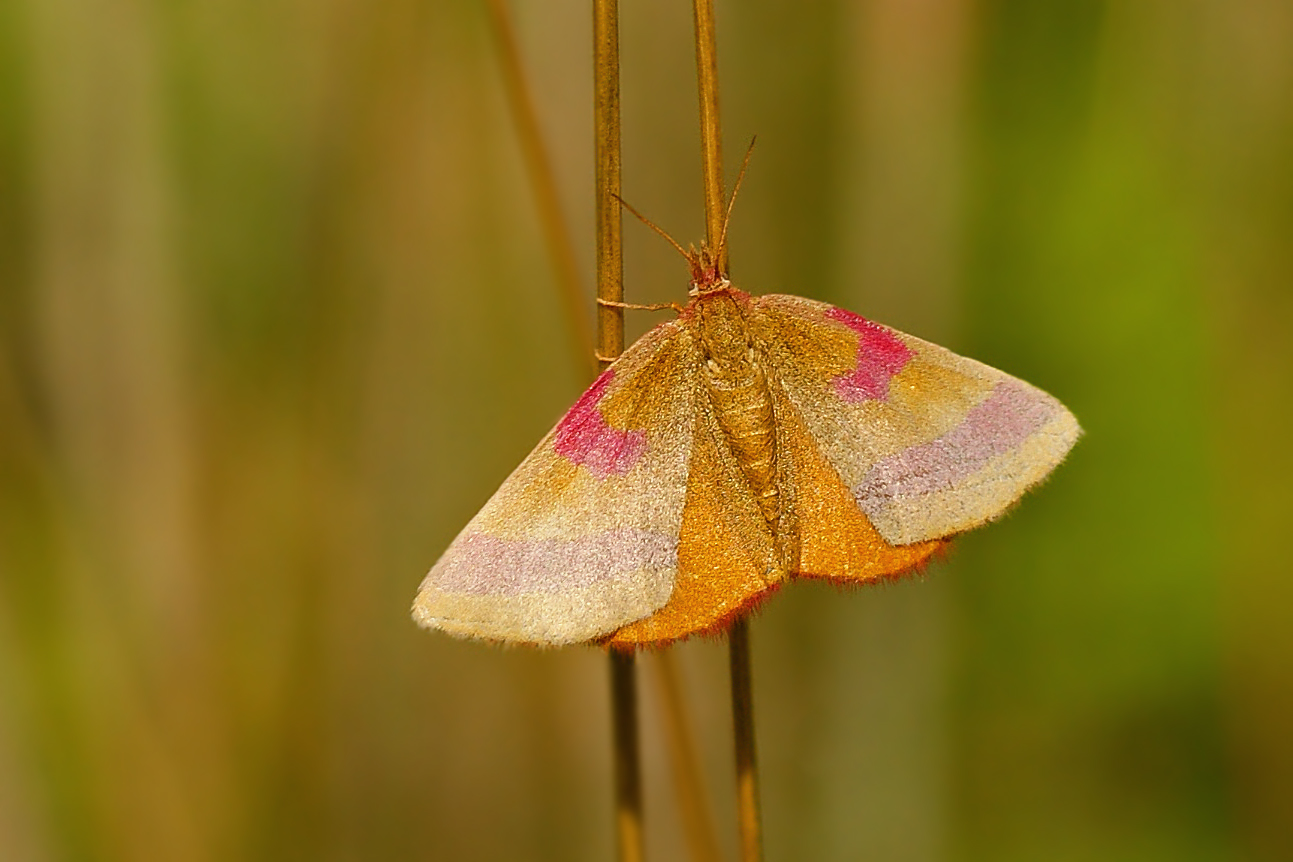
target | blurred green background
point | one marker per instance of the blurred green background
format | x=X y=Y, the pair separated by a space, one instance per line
x=276 y=317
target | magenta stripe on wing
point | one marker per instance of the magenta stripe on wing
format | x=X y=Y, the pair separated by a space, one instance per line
x=1004 y=420
x=583 y=436
x=486 y=565
x=881 y=355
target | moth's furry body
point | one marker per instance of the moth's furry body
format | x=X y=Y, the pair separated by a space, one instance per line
x=738 y=391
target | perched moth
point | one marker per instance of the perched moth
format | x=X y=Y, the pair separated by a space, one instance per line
x=749 y=440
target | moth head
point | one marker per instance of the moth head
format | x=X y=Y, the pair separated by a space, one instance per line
x=707 y=275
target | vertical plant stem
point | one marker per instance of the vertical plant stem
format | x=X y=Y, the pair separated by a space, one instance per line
x=747 y=773
x=698 y=824
x=556 y=229
x=610 y=343
x=747 y=776
x=711 y=136
x=610 y=225
x=628 y=769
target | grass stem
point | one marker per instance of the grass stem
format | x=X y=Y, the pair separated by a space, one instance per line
x=628 y=767
x=747 y=773
x=711 y=137
x=610 y=343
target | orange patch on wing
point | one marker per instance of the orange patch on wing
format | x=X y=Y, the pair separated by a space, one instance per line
x=836 y=539
x=727 y=557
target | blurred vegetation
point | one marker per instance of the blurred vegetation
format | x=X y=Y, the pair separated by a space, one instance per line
x=276 y=318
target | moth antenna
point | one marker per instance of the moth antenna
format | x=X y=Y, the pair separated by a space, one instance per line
x=731 y=203
x=646 y=221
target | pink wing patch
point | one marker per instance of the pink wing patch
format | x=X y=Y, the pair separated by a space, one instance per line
x=583 y=436
x=881 y=355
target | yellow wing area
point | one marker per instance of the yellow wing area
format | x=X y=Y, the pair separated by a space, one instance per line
x=833 y=538
x=572 y=546
x=947 y=445
x=727 y=555
x=633 y=524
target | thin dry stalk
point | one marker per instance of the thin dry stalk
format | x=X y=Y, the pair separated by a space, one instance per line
x=610 y=343
x=691 y=797
x=610 y=225
x=747 y=773
x=747 y=776
x=628 y=767
x=711 y=135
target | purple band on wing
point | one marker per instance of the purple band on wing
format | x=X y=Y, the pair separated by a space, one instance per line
x=1004 y=420
x=583 y=437
x=881 y=355
x=487 y=565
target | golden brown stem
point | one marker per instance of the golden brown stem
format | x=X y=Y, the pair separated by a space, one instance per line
x=628 y=769
x=606 y=124
x=610 y=343
x=711 y=138
x=747 y=773
x=747 y=782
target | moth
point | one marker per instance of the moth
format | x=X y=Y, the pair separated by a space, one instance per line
x=750 y=440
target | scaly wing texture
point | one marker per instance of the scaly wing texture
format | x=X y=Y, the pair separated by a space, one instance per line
x=582 y=538
x=727 y=555
x=729 y=558
x=928 y=443
x=827 y=535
